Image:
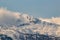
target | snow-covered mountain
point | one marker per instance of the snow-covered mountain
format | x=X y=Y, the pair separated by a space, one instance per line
x=14 y=23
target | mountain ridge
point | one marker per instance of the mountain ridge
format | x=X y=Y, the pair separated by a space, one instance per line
x=14 y=23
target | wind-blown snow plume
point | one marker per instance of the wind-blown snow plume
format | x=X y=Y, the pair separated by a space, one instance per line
x=12 y=23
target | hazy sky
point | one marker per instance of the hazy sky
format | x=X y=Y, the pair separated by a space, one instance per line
x=36 y=8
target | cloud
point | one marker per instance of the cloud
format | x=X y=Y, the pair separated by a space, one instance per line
x=8 y=17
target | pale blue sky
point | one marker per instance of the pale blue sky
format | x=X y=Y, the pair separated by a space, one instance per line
x=36 y=8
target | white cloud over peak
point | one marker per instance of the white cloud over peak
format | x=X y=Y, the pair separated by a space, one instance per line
x=7 y=16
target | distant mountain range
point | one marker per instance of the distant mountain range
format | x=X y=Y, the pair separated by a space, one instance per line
x=13 y=24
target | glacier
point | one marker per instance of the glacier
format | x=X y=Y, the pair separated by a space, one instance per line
x=14 y=25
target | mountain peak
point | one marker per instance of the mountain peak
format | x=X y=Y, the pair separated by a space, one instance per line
x=12 y=23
